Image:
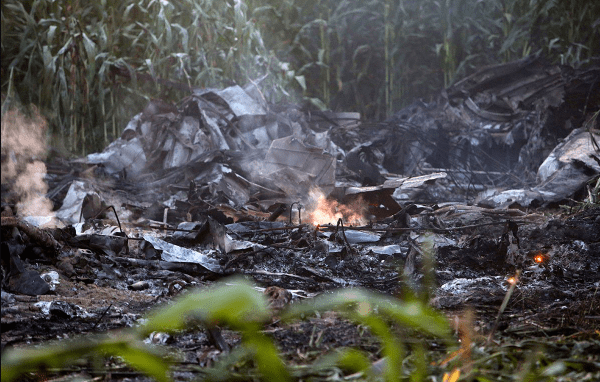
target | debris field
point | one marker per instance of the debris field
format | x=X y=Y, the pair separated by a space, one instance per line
x=493 y=177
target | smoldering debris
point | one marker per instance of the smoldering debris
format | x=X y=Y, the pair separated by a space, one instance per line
x=305 y=201
x=491 y=132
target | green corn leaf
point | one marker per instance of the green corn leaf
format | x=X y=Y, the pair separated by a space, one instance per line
x=392 y=348
x=301 y=81
x=235 y=305
x=353 y=360
x=49 y=61
x=267 y=357
x=418 y=315
x=66 y=46
x=89 y=46
x=50 y=34
x=91 y=51
x=139 y=356
x=184 y=36
x=17 y=362
x=318 y=103
x=414 y=314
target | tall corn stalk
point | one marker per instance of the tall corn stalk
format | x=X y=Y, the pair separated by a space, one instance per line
x=324 y=53
x=89 y=66
x=389 y=58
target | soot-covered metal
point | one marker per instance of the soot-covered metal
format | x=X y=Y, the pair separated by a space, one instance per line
x=306 y=201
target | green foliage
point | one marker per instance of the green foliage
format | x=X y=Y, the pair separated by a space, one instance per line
x=239 y=306
x=374 y=311
x=378 y=56
x=126 y=346
x=90 y=65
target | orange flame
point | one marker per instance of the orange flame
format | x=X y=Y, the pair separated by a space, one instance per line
x=539 y=258
x=512 y=280
x=325 y=211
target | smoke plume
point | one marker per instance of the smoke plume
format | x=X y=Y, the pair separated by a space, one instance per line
x=23 y=169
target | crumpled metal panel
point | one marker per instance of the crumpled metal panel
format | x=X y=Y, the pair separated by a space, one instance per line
x=577 y=146
x=122 y=155
x=214 y=131
x=131 y=130
x=183 y=143
x=71 y=208
x=240 y=102
x=175 y=253
x=291 y=153
x=568 y=167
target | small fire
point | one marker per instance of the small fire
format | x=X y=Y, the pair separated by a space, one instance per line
x=539 y=258
x=324 y=211
x=512 y=280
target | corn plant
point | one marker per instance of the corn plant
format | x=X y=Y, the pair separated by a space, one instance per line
x=378 y=56
x=86 y=65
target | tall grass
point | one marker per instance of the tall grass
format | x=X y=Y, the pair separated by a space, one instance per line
x=87 y=65
x=387 y=53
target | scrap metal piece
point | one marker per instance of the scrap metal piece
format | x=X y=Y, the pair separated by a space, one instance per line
x=70 y=211
x=577 y=146
x=290 y=163
x=121 y=155
x=175 y=253
x=281 y=208
x=499 y=117
x=211 y=124
x=355 y=237
x=28 y=282
x=389 y=250
x=401 y=184
x=183 y=145
x=239 y=101
x=568 y=168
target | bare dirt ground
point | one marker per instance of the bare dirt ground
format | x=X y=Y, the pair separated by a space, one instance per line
x=555 y=306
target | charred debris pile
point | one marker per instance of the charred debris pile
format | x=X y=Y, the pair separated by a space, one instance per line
x=223 y=183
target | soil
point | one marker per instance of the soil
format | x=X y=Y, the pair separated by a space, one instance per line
x=555 y=299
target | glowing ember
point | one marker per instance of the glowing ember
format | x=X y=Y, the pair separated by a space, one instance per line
x=324 y=211
x=539 y=258
x=512 y=280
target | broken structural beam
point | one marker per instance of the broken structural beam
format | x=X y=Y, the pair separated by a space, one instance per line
x=436 y=230
x=36 y=234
